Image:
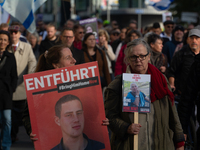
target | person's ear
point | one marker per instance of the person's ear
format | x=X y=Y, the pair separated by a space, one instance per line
x=55 y=66
x=61 y=37
x=57 y=120
x=152 y=45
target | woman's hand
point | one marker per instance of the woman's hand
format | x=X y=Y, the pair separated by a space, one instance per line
x=32 y=137
x=180 y=148
x=105 y=122
x=134 y=128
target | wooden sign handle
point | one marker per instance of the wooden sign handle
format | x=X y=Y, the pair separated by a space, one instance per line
x=135 y=142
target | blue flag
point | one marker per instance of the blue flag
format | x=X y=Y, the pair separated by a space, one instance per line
x=161 y=5
x=23 y=10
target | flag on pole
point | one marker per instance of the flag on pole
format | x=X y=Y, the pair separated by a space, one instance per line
x=161 y=4
x=23 y=10
x=5 y=16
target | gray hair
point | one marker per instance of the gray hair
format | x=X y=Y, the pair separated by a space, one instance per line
x=134 y=84
x=35 y=34
x=134 y=43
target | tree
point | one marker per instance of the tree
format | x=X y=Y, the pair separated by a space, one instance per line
x=184 y=6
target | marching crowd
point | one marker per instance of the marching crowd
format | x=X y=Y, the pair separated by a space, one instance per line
x=171 y=57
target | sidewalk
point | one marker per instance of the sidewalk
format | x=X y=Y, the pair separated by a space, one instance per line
x=24 y=142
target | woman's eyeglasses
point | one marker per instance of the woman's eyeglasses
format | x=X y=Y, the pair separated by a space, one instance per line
x=141 y=57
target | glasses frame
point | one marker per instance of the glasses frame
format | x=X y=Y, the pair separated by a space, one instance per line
x=132 y=58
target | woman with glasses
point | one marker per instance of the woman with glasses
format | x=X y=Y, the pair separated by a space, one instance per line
x=93 y=53
x=158 y=130
x=120 y=66
x=158 y=59
x=8 y=84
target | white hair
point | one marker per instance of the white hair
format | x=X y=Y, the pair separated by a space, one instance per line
x=134 y=84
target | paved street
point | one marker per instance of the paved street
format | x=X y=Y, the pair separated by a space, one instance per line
x=24 y=142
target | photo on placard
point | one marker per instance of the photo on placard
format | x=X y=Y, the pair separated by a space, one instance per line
x=136 y=94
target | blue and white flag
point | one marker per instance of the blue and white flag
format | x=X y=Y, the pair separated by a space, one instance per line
x=23 y=10
x=160 y=5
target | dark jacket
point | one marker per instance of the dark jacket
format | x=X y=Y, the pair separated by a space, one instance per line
x=46 y=44
x=92 y=144
x=36 y=51
x=189 y=95
x=8 y=80
x=78 y=55
x=169 y=48
x=180 y=67
x=102 y=64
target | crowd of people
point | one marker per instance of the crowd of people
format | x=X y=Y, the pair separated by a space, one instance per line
x=171 y=56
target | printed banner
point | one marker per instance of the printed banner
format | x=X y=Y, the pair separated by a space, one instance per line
x=67 y=103
x=136 y=93
x=90 y=26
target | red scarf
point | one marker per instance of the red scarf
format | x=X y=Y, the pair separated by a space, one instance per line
x=159 y=88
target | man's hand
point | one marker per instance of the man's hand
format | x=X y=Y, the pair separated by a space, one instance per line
x=173 y=87
x=171 y=82
x=185 y=135
x=134 y=128
x=180 y=148
x=32 y=137
x=163 y=69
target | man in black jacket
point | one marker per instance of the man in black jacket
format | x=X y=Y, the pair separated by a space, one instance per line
x=182 y=61
x=67 y=38
x=189 y=98
x=50 y=40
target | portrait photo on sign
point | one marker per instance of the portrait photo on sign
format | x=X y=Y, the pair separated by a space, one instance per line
x=66 y=108
x=136 y=96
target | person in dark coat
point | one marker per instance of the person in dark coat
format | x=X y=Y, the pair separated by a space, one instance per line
x=50 y=40
x=8 y=84
x=67 y=38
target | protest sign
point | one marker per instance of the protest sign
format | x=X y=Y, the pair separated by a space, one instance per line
x=136 y=93
x=90 y=26
x=44 y=89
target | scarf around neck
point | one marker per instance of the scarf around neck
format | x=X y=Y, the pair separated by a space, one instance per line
x=159 y=87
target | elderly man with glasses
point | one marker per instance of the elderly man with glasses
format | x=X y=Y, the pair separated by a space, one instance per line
x=26 y=64
x=67 y=38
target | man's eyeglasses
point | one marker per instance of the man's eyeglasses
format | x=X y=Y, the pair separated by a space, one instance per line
x=68 y=37
x=141 y=57
x=13 y=31
x=170 y=27
x=115 y=34
x=81 y=32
